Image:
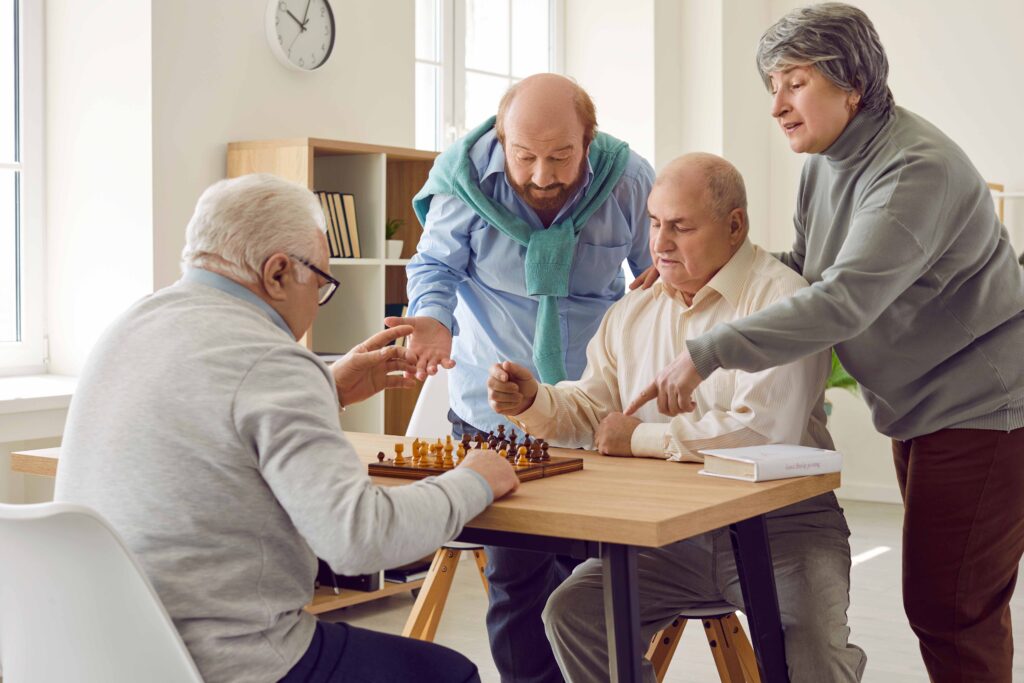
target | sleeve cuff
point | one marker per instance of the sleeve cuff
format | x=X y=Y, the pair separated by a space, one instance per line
x=440 y=314
x=539 y=411
x=703 y=354
x=487 y=495
x=650 y=440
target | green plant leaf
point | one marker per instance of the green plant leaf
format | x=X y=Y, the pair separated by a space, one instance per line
x=839 y=378
x=392 y=226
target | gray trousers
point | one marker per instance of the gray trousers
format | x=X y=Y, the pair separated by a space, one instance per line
x=810 y=553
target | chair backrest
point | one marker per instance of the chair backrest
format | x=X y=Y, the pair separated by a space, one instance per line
x=430 y=416
x=75 y=605
x=998 y=189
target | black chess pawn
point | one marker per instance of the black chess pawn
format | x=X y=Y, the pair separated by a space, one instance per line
x=544 y=449
x=465 y=440
x=527 y=441
x=380 y=456
x=501 y=431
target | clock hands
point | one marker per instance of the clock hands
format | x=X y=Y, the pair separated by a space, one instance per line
x=305 y=15
x=302 y=24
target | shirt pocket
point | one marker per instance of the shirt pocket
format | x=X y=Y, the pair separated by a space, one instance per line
x=597 y=269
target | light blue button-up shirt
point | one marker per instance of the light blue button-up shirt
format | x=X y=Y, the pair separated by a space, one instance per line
x=469 y=276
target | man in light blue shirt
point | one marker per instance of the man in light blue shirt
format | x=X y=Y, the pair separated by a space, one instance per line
x=526 y=225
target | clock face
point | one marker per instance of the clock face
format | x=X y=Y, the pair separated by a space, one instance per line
x=301 y=32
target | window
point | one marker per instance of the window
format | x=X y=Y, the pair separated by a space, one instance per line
x=468 y=52
x=21 y=152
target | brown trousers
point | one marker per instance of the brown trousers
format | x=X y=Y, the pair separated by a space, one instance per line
x=963 y=536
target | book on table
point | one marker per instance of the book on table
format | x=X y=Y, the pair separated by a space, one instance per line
x=770 y=461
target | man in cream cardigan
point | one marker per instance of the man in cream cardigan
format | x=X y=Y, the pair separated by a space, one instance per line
x=710 y=273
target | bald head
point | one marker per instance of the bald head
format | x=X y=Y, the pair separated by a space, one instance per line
x=545 y=124
x=723 y=185
x=698 y=220
x=544 y=105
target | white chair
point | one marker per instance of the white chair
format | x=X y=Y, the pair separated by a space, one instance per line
x=75 y=605
x=430 y=416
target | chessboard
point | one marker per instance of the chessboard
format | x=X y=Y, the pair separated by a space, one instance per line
x=530 y=458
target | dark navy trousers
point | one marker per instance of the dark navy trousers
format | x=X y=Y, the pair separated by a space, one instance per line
x=340 y=653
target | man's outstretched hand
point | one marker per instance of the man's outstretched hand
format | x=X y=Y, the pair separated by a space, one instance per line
x=430 y=342
x=363 y=371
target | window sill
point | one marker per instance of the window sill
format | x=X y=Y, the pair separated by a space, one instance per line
x=35 y=392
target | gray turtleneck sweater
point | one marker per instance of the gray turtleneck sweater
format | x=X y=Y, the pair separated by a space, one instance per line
x=913 y=281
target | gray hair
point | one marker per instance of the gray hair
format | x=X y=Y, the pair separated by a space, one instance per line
x=837 y=39
x=239 y=223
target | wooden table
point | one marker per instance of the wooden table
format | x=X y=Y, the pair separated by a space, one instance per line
x=611 y=509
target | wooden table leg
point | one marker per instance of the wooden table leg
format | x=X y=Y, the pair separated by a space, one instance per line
x=621 y=611
x=757 y=581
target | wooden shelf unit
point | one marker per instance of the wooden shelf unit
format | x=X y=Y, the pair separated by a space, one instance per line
x=383 y=181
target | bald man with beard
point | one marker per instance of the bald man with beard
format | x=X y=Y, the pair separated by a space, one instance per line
x=526 y=224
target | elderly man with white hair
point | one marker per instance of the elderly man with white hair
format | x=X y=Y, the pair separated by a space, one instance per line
x=210 y=440
x=710 y=273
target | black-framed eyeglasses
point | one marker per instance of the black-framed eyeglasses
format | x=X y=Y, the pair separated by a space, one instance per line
x=326 y=290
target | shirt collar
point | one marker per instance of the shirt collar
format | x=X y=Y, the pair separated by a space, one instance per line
x=207 y=278
x=728 y=281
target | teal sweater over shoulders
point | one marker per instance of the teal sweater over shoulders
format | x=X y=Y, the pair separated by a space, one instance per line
x=913 y=280
x=549 y=253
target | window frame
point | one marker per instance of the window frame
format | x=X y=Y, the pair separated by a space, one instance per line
x=451 y=123
x=29 y=354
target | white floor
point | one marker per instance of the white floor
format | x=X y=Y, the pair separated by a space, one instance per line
x=876 y=613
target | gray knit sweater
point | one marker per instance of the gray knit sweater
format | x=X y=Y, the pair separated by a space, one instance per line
x=913 y=281
x=210 y=440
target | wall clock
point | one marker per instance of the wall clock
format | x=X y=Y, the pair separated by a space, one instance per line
x=300 y=32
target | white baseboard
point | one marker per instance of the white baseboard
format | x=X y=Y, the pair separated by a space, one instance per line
x=870 y=493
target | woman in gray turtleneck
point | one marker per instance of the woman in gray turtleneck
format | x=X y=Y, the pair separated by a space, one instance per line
x=915 y=285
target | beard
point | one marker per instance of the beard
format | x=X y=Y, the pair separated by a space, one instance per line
x=554 y=196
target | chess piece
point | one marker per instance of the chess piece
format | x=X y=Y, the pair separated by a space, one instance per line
x=448 y=454
x=544 y=450
x=501 y=431
x=399 y=460
x=380 y=456
x=460 y=454
x=438 y=461
x=503 y=453
x=465 y=440
x=521 y=461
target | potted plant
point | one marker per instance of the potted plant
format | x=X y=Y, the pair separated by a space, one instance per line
x=839 y=378
x=393 y=248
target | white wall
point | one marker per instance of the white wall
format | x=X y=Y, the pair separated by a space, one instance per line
x=142 y=99
x=215 y=81
x=609 y=51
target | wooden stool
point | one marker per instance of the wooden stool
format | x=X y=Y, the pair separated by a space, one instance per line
x=733 y=654
x=734 y=657
x=426 y=613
